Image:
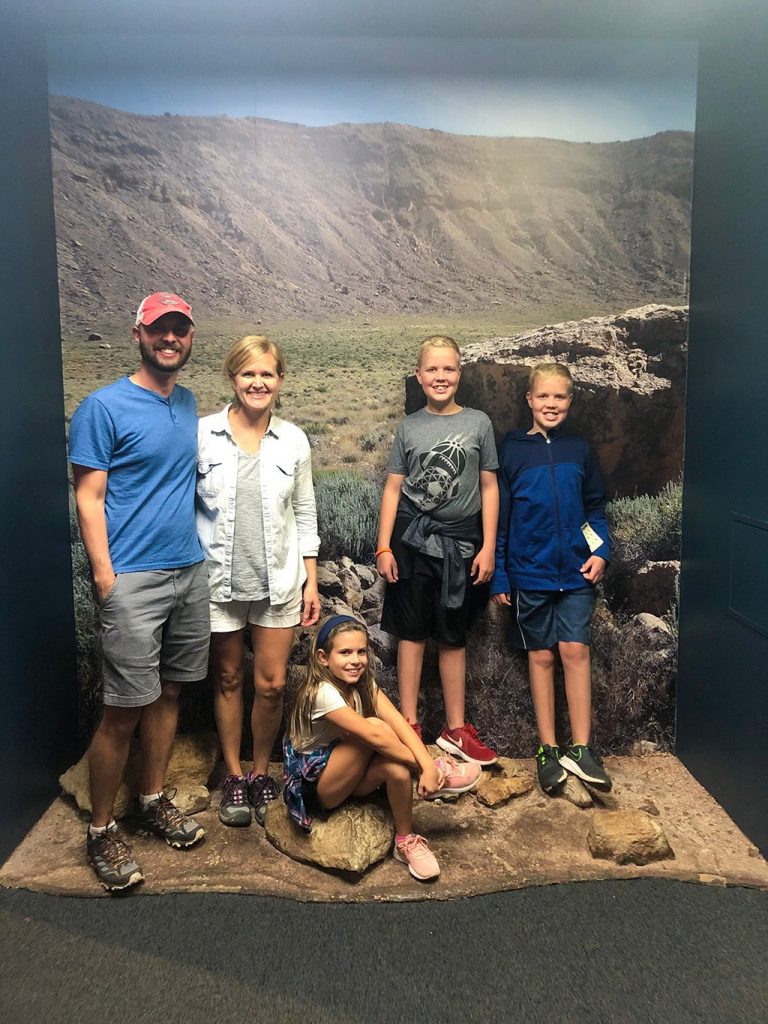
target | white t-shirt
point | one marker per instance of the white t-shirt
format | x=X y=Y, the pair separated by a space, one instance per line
x=323 y=732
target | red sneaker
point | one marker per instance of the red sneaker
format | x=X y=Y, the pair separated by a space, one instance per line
x=466 y=744
x=416 y=728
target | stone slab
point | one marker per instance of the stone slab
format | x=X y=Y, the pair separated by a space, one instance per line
x=531 y=840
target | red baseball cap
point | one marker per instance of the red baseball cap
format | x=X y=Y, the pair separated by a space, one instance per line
x=158 y=304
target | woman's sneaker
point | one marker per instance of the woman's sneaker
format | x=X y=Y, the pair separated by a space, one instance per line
x=112 y=860
x=163 y=818
x=456 y=778
x=586 y=763
x=549 y=767
x=262 y=790
x=466 y=744
x=415 y=852
x=235 y=808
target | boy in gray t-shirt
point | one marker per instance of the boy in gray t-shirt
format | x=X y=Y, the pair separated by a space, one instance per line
x=437 y=532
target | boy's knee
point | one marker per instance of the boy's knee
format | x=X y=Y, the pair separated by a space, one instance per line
x=573 y=651
x=542 y=659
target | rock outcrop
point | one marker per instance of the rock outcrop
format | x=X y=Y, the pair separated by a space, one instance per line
x=192 y=760
x=351 y=838
x=629 y=372
x=628 y=837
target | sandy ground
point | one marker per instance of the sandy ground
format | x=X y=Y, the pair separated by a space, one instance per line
x=532 y=840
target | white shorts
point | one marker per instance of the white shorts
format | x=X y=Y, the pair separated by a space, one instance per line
x=227 y=616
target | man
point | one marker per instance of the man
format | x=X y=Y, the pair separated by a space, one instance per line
x=132 y=446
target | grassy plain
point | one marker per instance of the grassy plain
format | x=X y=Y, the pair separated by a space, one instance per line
x=345 y=379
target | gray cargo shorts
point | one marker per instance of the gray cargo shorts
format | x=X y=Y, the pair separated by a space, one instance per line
x=155 y=624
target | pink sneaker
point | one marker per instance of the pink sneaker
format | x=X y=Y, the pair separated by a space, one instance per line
x=457 y=778
x=466 y=744
x=415 y=852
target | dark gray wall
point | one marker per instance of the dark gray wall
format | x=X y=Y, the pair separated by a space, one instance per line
x=38 y=693
x=723 y=683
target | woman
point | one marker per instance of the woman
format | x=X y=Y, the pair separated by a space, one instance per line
x=258 y=526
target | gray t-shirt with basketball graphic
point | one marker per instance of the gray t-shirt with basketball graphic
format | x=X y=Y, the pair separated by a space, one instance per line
x=441 y=458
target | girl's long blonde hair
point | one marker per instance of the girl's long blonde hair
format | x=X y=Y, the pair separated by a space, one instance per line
x=300 y=722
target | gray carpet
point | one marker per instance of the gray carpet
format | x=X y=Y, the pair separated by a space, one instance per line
x=605 y=952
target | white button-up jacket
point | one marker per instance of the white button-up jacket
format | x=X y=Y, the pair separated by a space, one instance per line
x=289 y=516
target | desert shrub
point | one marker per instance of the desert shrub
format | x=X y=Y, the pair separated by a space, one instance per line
x=371 y=440
x=648 y=527
x=348 y=514
x=86 y=632
x=634 y=672
x=339 y=421
x=314 y=429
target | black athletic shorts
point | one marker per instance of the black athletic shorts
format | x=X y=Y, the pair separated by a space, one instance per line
x=412 y=609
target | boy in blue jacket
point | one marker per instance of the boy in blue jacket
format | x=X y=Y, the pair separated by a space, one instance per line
x=552 y=547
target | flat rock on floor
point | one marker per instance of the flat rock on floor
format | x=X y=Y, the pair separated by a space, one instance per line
x=530 y=840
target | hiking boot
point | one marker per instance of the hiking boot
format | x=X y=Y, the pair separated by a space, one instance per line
x=549 y=768
x=162 y=818
x=112 y=861
x=262 y=790
x=585 y=762
x=466 y=744
x=456 y=778
x=415 y=852
x=235 y=808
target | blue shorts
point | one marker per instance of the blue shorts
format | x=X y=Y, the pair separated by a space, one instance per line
x=543 y=618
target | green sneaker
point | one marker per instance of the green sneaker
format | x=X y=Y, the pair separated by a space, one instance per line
x=548 y=768
x=586 y=763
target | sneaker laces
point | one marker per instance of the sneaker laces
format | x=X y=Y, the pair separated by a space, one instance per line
x=446 y=766
x=413 y=844
x=472 y=731
x=167 y=811
x=113 y=849
x=234 y=791
x=264 y=789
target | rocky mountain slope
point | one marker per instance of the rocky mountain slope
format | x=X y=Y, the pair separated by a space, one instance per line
x=262 y=217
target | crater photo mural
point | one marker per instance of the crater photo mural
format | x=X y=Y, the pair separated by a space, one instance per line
x=529 y=199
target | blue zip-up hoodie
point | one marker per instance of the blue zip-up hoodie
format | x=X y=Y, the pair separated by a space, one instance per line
x=549 y=488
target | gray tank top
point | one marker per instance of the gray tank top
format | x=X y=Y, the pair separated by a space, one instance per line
x=249 y=553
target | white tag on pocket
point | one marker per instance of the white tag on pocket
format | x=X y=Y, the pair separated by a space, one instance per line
x=592 y=539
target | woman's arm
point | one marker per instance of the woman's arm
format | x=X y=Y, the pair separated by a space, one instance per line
x=304 y=507
x=310 y=596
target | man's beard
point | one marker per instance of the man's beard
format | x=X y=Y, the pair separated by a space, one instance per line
x=148 y=356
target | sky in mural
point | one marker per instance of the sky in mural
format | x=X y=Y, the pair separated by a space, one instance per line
x=579 y=90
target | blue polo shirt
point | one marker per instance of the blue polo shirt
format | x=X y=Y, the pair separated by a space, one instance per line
x=148 y=446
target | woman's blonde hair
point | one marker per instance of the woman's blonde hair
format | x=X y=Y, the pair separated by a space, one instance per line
x=550 y=370
x=438 y=341
x=300 y=722
x=251 y=347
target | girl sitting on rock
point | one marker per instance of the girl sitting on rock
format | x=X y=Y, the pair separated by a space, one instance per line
x=346 y=738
